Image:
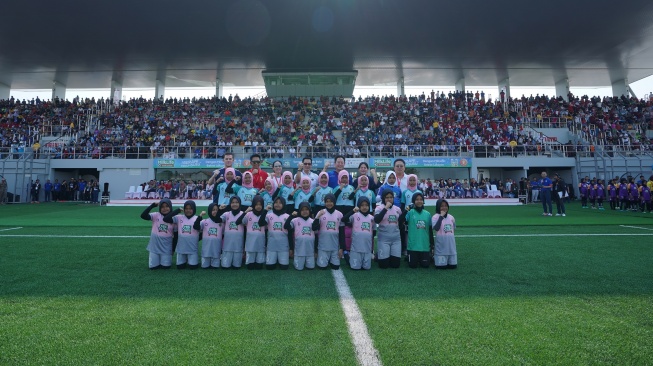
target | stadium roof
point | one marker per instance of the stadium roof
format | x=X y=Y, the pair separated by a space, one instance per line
x=87 y=44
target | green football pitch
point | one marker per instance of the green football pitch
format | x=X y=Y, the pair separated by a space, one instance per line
x=75 y=289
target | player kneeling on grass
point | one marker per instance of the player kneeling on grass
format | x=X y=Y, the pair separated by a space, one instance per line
x=278 y=249
x=304 y=243
x=232 y=244
x=329 y=247
x=444 y=225
x=160 y=245
x=254 y=222
x=420 y=233
x=189 y=235
x=211 y=230
x=388 y=241
x=362 y=235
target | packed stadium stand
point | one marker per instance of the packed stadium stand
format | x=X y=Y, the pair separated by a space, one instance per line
x=436 y=124
x=375 y=126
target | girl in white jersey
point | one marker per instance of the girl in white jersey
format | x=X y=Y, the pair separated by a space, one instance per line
x=444 y=224
x=232 y=244
x=304 y=237
x=254 y=222
x=362 y=243
x=327 y=222
x=278 y=248
x=388 y=243
x=161 y=236
x=211 y=231
x=188 y=242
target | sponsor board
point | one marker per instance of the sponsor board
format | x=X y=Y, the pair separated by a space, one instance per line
x=289 y=164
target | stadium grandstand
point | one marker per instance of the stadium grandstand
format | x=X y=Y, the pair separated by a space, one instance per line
x=308 y=107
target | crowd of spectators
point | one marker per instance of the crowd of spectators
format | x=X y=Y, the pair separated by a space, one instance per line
x=429 y=125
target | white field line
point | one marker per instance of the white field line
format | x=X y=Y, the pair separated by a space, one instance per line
x=12 y=228
x=636 y=227
x=75 y=236
x=360 y=337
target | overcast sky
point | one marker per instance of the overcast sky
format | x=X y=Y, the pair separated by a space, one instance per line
x=642 y=88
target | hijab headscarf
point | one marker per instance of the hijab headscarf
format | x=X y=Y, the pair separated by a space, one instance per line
x=272 y=184
x=360 y=184
x=387 y=176
x=305 y=179
x=320 y=179
x=414 y=187
x=227 y=171
x=213 y=218
x=251 y=181
x=255 y=200
x=190 y=203
x=360 y=203
x=343 y=173
x=283 y=179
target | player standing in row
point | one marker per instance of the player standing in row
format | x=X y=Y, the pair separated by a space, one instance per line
x=188 y=242
x=232 y=243
x=161 y=236
x=211 y=230
x=344 y=194
x=363 y=190
x=278 y=248
x=254 y=221
x=420 y=241
x=327 y=223
x=362 y=236
x=304 y=237
x=320 y=191
x=388 y=240
x=444 y=225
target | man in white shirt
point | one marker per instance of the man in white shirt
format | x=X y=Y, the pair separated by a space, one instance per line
x=304 y=170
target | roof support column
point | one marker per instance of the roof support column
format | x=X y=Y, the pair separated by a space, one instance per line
x=620 y=87
x=116 y=91
x=219 y=88
x=504 y=86
x=160 y=89
x=562 y=89
x=5 y=91
x=58 y=90
x=400 y=87
x=460 y=85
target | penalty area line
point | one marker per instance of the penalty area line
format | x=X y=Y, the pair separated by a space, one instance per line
x=636 y=227
x=12 y=228
x=360 y=337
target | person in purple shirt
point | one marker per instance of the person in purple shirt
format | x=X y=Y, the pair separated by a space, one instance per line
x=612 y=194
x=583 y=187
x=600 y=194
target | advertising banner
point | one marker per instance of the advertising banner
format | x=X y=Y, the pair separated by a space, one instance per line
x=318 y=163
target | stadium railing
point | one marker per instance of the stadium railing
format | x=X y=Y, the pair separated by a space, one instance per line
x=360 y=151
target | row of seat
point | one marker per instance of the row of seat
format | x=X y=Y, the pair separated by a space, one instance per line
x=136 y=192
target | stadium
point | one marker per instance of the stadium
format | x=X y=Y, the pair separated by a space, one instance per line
x=105 y=111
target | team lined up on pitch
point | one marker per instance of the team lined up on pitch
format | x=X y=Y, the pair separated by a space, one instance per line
x=272 y=237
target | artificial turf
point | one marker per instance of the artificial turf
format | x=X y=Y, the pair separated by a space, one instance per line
x=528 y=290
